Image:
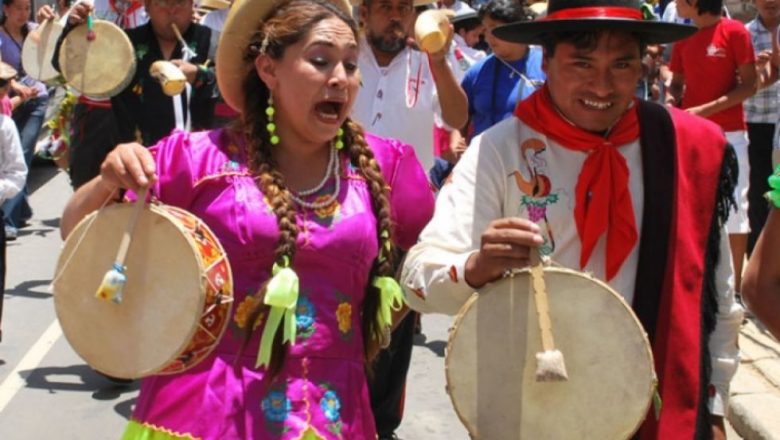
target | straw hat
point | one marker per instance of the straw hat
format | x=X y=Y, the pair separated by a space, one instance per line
x=7 y=72
x=593 y=15
x=242 y=23
x=416 y=2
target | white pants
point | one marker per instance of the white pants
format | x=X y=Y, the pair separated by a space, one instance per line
x=738 y=222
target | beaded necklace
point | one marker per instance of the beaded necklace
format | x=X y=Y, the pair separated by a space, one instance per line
x=333 y=169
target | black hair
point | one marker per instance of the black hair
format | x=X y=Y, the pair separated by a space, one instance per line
x=714 y=7
x=506 y=11
x=467 y=24
x=581 y=40
x=25 y=28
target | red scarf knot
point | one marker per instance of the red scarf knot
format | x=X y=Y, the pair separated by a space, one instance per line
x=602 y=199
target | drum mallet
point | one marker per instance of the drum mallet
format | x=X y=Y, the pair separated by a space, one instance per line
x=114 y=280
x=550 y=366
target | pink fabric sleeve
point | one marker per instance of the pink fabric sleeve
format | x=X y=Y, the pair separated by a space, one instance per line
x=411 y=196
x=173 y=158
x=5 y=106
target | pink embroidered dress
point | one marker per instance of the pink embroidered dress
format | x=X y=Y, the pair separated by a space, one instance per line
x=321 y=391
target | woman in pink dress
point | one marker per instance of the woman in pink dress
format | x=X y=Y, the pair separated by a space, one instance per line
x=295 y=185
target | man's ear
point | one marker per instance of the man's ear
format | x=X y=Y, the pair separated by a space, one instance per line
x=266 y=70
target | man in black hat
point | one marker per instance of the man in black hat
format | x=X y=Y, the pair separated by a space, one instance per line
x=648 y=189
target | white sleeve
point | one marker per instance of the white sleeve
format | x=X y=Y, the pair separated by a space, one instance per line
x=724 y=352
x=13 y=170
x=433 y=272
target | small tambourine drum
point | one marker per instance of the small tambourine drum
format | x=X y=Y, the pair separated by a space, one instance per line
x=491 y=362
x=101 y=67
x=170 y=77
x=38 y=50
x=176 y=301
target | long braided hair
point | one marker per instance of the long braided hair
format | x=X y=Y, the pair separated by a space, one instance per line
x=289 y=23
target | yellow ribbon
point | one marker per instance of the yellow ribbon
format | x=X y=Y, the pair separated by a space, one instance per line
x=282 y=296
x=391 y=298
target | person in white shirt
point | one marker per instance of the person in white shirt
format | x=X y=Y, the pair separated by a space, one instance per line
x=13 y=170
x=402 y=88
x=630 y=191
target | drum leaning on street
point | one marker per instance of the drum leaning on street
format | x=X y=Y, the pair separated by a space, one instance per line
x=177 y=298
x=491 y=363
x=38 y=50
x=98 y=68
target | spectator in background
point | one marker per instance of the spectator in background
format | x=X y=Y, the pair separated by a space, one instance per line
x=713 y=71
x=13 y=171
x=29 y=115
x=761 y=115
x=402 y=89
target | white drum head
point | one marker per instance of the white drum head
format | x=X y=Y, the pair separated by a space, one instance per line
x=38 y=50
x=163 y=296
x=100 y=68
x=491 y=362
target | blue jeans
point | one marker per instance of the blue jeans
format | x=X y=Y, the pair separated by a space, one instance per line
x=29 y=119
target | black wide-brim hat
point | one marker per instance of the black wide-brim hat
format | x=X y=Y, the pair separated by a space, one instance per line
x=593 y=15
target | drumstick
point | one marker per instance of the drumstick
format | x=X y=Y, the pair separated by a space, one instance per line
x=114 y=280
x=550 y=366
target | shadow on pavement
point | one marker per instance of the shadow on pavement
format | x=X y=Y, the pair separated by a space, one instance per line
x=40 y=173
x=77 y=378
x=125 y=408
x=30 y=289
x=436 y=346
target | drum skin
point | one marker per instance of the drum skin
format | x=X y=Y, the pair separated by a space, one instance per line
x=491 y=363
x=100 y=68
x=38 y=50
x=176 y=300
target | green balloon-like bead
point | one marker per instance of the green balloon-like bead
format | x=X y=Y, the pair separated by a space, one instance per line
x=774 y=181
x=271 y=127
x=340 y=132
x=274 y=140
x=339 y=144
x=270 y=111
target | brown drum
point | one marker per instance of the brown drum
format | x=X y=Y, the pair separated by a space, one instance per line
x=177 y=298
x=100 y=68
x=491 y=363
x=38 y=50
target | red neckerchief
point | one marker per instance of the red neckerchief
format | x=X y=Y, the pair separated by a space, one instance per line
x=603 y=200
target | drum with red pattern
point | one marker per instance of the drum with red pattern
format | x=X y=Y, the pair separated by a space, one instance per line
x=177 y=298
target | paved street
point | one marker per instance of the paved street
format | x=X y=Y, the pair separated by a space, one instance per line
x=47 y=392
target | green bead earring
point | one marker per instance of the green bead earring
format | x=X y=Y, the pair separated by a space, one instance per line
x=340 y=139
x=271 y=126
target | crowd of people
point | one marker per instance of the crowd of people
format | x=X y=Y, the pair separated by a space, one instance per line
x=620 y=138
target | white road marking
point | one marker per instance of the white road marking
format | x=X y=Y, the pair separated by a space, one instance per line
x=15 y=382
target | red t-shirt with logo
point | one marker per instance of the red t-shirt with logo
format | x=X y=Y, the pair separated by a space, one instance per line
x=709 y=60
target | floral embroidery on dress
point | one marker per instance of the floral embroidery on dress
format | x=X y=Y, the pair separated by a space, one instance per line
x=344 y=316
x=276 y=407
x=304 y=317
x=329 y=215
x=330 y=404
x=242 y=312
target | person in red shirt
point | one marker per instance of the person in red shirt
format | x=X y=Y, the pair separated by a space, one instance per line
x=713 y=72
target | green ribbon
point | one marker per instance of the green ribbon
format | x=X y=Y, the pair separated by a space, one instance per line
x=391 y=298
x=282 y=296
